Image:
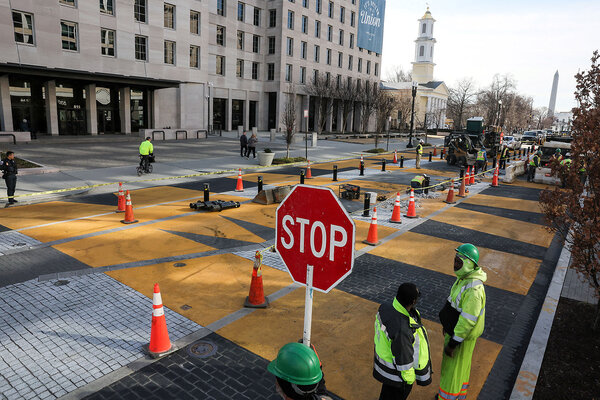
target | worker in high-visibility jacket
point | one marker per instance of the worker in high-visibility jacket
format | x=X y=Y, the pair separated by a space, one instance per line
x=401 y=345
x=534 y=163
x=504 y=157
x=462 y=318
x=419 y=153
x=565 y=165
x=481 y=160
x=146 y=150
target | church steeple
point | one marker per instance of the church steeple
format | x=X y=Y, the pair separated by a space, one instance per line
x=424 y=45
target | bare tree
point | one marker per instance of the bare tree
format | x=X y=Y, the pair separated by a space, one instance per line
x=321 y=88
x=368 y=100
x=346 y=93
x=397 y=74
x=574 y=212
x=385 y=103
x=460 y=100
x=288 y=117
x=491 y=102
x=517 y=113
x=540 y=115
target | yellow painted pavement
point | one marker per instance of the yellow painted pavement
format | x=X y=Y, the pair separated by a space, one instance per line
x=505 y=271
x=504 y=202
x=494 y=225
x=37 y=214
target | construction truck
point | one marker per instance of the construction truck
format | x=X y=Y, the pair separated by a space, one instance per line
x=462 y=146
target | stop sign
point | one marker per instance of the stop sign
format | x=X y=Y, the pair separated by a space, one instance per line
x=313 y=228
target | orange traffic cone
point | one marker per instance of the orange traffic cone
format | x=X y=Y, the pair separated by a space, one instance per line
x=450 y=197
x=434 y=151
x=395 y=157
x=472 y=181
x=462 y=192
x=160 y=344
x=308 y=173
x=121 y=199
x=495 y=178
x=468 y=176
x=396 y=214
x=128 y=211
x=239 y=187
x=372 y=235
x=256 y=297
x=412 y=211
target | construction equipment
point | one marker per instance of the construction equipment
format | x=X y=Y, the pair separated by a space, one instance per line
x=461 y=147
x=215 y=205
x=349 y=192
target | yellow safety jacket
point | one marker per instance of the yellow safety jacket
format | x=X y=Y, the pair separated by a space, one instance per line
x=419 y=149
x=419 y=179
x=401 y=347
x=146 y=148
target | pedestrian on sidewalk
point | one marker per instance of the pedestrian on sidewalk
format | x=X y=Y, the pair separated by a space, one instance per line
x=419 y=153
x=243 y=144
x=298 y=373
x=462 y=318
x=401 y=345
x=252 y=146
x=9 y=174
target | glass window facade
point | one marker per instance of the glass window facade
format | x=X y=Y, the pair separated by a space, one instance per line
x=23 y=27
x=69 y=35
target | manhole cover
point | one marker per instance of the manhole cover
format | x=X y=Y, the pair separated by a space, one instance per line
x=185 y=307
x=202 y=349
x=179 y=265
x=61 y=282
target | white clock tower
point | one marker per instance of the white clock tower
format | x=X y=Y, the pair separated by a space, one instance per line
x=423 y=65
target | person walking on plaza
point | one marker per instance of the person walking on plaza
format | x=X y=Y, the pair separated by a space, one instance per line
x=298 y=373
x=146 y=150
x=533 y=164
x=243 y=145
x=462 y=318
x=503 y=157
x=419 y=153
x=401 y=345
x=9 y=174
x=252 y=146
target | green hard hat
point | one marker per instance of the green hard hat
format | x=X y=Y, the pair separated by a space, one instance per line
x=539 y=152
x=469 y=251
x=557 y=151
x=296 y=364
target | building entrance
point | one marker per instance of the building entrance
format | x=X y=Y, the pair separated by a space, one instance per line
x=70 y=101
x=107 y=110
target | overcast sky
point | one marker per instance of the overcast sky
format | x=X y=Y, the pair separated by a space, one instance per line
x=529 y=39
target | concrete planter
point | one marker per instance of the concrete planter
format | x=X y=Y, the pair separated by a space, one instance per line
x=265 y=159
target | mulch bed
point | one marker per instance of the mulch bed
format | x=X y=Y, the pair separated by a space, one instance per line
x=571 y=366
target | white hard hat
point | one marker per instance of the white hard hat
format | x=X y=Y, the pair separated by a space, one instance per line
x=421 y=141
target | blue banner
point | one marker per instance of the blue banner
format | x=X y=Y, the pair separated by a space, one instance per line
x=371 y=15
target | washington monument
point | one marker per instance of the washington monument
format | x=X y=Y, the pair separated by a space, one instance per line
x=552 y=104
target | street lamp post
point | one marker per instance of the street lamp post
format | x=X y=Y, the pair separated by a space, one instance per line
x=499 y=111
x=209 y=116
x=412 y=114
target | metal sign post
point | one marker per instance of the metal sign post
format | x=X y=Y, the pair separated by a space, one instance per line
x=308 y=303
x=306 y=134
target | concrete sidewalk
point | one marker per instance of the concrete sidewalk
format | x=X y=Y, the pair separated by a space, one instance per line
x=103 y=161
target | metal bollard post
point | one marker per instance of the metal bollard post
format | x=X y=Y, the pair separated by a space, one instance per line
x=302 y=177
x=426 y=183
x=462 y=173
x=383 y=165
x=362 y=168
x=401 y=161
x=430 y=155
x=367 y=204
x=442 y=154
x=206 y=192
x=335 y=173
x=260 y=183
x=494 y=162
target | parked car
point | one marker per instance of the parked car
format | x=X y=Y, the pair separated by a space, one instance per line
x=512 y=142
x=529 y=137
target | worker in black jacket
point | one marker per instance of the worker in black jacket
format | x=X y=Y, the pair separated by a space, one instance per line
x=9 y=174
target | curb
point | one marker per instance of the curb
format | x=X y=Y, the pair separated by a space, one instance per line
x=530 y=368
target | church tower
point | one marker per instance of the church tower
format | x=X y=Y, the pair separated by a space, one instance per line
x=422 y=71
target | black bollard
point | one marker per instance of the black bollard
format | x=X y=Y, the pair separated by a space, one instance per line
x=367 y=204
x=302 y=177
x=494 y=162
x=335 y=173
x=442 y=154
x=401 y=161
x=206 y=192
x=362 y=168
x=260 y=183
x=383 y=165
x=462 y=173
x=430 y=155
x=426 y=183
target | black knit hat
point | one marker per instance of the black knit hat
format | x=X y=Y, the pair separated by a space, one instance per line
x=407 y=293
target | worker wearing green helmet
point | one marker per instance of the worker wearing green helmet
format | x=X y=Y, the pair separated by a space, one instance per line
x=298 y=373
x=462 y=318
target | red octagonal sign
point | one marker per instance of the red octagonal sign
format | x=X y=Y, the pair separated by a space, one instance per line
x=313 y=228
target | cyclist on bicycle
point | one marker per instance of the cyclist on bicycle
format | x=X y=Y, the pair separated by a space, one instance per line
x=146 y=150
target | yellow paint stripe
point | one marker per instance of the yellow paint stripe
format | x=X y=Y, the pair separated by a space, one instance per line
x=504 y=202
